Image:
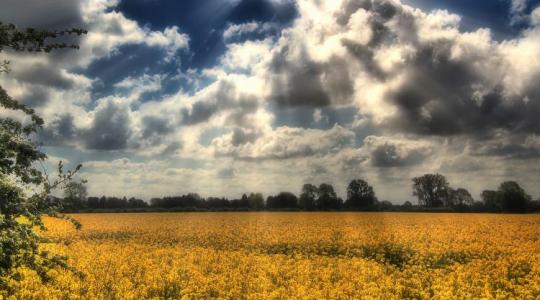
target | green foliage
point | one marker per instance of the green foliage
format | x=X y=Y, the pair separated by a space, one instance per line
x=283 y=200
x=513 y=196
x=360 y=194
x=32 y=40
x=308 y=197
x=24 y=189
x=432 y=190
x=75 y=194
x=510 y=197
x=256 y=201
x=328 y=199
x=460 y=197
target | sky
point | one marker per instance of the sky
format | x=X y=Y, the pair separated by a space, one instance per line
x=224 y=97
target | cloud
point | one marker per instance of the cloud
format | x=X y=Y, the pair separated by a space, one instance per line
x=297 y=80
x=222 y=97
x=517 y=11
x=109 y=29
x=155 y=126
x=40 y=74
x=35 y=96
x=535 y=17
x=110 y=128
x=210 y=101
x=285 y=143
x=243 y=136
x=410 y=71
x=52 y=14
x=298 y=85
x=391 y=152
x=170 y=39
x=54 y=83
x=350 y=88
x=60 y=132
x=242 y=57
x=502 y=144
x=225 y=173
x=239 y=29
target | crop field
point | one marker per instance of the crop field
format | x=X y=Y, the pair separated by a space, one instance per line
x=293 y=255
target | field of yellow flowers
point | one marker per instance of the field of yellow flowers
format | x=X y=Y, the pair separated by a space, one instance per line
x=293 y=255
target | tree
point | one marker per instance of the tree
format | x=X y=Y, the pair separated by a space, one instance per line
x=461 y=197
x=217 y=203
x=241 y=204
x=19 y=242
x=93 y=202
x=535 y=205
x=132 y=203
x=386 y=205
x=432 y=190
x=256 y=201
x=510 y=197
x=407 y=205
x=308 y=197
x=360 y=194
x=513 y=197
x=491 y=200
x=327 y=198
x=75 y=194
x=282 y=200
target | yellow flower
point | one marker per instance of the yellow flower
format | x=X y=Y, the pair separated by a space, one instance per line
x=292 y=256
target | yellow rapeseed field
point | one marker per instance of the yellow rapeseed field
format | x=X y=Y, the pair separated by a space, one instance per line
x=294 y=255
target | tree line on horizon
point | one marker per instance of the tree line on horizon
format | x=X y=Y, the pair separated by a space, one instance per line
x=432 y=191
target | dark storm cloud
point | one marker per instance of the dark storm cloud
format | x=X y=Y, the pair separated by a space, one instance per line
x=382 y=11
x=45 y=75
x=438 y=98
x=241 y=112
x=297 y=84
x=388 y=155
x=50 y=14
x=512 y=151
x=200 y=112
x=171 y=148
x=300 y=81
x=35 y=96
x=59 y=131
x=349 y=8
x=242 y=136
x=110 y=129
x=223 y=99
x=531 y=121
x=366 y=56
x=155 y=126
x=303 y=82
x=337 y=80
x=441 y=94
x=510 y=146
